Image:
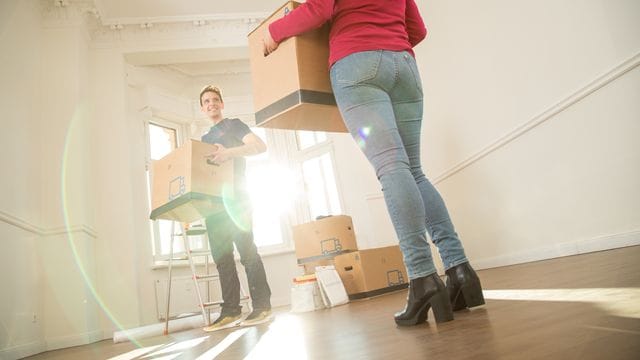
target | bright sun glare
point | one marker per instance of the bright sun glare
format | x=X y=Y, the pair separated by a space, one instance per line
x=616 y=301
x=286 y=330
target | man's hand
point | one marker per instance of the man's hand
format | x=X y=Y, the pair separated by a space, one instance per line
x=220 y=155
x=268 y=44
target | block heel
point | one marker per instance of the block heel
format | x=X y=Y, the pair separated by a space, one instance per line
x=471 y=295
x=441 y=307
x=425 y=293
x=464 y=288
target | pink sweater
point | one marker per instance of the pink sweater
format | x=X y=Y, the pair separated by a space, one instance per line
x=356 y=25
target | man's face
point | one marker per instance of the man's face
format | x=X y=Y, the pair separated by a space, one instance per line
x=211 y=105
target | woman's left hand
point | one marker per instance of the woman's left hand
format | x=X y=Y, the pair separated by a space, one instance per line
x=268 y=44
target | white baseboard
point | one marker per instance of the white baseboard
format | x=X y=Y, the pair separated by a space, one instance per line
x=24 y=350
x=562 y=249
x=37 y=347
x=280 y=301
x=62 y=342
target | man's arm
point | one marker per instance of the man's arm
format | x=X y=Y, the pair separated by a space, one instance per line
x=252 y=145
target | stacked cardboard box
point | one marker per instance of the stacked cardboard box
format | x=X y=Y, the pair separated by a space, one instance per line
x=371 y=272
x=318 y=242
x=364 y=273
x=187 y=187
x=291 y=86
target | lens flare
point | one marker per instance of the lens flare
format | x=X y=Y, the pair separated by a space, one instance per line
x=361 y=137
x=239 y=213
x=74 y=136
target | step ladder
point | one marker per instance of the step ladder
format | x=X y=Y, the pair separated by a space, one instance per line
x=205 y=303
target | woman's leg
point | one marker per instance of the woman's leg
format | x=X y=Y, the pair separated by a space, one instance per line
x=360 y=83
x=406 y=98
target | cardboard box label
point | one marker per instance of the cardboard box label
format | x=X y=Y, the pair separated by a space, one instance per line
x=324 y=238
x=187 y=187
x=372 y=272
x=177 y=187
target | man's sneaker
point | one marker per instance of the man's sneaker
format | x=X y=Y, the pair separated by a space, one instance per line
x=224 y=322
x=257 y=316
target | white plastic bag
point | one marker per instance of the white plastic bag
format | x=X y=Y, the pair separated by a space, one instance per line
x=331 y=287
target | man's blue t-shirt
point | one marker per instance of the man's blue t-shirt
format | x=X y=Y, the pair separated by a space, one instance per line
x=229 y=133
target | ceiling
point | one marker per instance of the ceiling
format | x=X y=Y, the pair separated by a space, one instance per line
x=193 y=62
x=187 y=56
x=126 y=11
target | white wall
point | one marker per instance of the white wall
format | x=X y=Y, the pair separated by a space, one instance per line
x=20 y=193
x=48 y=257
x=531 y=116
x=530 y=124
x=120 y=196
x=530 y=127
x=67 y=248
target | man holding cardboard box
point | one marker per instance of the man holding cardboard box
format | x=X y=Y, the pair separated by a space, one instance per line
x=375 y=80
x=234 y=139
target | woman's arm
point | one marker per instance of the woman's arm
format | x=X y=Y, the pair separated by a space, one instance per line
x=414 y=23
x=307 y=16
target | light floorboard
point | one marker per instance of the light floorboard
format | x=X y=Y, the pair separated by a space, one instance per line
x=577 y=307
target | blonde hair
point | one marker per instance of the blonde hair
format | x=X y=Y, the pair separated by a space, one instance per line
x=210 y=88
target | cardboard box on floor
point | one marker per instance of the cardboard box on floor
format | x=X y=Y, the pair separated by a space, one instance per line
x=186 y=187
x=371 y=272
x=291 y=86
x=324 y=238
x=310 y=267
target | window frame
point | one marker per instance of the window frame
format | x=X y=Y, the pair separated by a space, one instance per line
x=181 y=136
x=283 y=149
x=315 y=151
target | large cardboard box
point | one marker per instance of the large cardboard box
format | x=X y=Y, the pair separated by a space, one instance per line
x=187 y=187
x=371 y=272
x=291 y=86
x=324 y=238
x=310 y=267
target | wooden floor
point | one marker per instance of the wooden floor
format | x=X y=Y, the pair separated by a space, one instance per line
x=578 y=307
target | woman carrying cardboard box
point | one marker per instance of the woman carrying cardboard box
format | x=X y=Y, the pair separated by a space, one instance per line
x=378 y=90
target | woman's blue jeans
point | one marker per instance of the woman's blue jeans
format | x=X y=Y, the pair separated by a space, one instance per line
x=379 y=94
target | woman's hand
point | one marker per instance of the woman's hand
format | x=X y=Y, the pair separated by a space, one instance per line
x=268 y=44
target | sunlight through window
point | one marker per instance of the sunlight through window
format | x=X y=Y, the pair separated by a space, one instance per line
x=284 y=333
x=225 y=343
x=616 y=301
x=272 y=191
x=321 y=188
x=135 y=353
x=178 y=347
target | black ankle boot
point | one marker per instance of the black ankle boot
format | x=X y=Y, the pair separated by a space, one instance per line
x=464 y=287
x=424 y=293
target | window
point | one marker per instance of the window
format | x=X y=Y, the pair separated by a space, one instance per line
x=270 y=187
x=307 y=139
x=321 y=190
x=316 y=163
x=162 y=139
x=293 y=182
